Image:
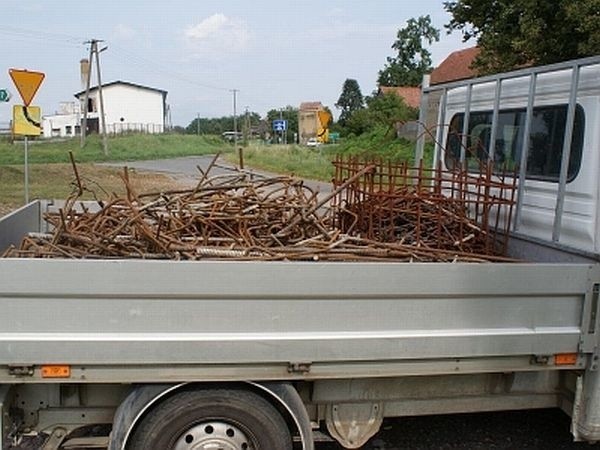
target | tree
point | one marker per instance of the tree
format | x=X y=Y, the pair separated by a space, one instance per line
x=513 y=33
x=351 y=100
x=384 y=110
x=413 y=59
x=216 y=125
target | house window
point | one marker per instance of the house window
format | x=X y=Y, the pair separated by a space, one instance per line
x=68 y=130
x=77 y=129
x=545 y=141
x=91 y=106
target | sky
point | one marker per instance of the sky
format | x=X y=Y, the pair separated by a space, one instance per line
x=275 y=53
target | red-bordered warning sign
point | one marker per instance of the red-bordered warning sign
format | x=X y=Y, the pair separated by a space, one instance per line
x=27 y=83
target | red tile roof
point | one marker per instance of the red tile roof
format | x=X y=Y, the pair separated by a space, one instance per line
x=410 y=94
x=457 y=66
x=311 y=106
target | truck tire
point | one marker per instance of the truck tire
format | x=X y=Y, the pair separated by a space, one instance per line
x=218 y=418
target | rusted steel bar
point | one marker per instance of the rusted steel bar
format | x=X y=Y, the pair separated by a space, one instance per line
x=378 y=211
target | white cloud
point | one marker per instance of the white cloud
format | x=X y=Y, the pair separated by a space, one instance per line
x=218 y=35
x=123 y=32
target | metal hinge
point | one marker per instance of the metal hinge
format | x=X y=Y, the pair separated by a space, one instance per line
x=540 y=360
x=21 y=371
x=299 y=367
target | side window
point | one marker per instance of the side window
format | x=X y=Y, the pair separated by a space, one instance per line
x=546 y=141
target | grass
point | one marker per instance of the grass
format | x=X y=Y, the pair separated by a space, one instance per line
x=57 y=181
x=305 y=162
x=121 y=148
x=315 y=163
x=51 y=173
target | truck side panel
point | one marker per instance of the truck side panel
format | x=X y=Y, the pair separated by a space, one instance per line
x=153 y=312
x=20 y=222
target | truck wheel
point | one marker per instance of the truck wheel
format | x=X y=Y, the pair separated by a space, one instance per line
x=211 y=419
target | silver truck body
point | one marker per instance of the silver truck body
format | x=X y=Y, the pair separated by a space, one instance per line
x=345 y=344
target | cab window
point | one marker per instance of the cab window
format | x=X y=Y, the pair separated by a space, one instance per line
x=545 y=141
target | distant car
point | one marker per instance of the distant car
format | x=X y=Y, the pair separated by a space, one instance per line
x=313 y=142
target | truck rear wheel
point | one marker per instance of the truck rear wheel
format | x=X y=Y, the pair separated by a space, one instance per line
x=209 y=419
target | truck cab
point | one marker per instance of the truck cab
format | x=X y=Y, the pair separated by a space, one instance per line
x=558 y=108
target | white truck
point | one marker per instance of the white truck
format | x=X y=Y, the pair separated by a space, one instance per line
x=125 y=354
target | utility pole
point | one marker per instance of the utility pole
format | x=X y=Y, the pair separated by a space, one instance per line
x=94 y=52
x=246 y=126
x=102 y=115
x=282 y=130
x=86 y=98
x=235 y=137
x=198 y=124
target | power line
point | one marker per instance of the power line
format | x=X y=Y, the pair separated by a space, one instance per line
x=22 y=35
x=40 y=35
x=147 y=63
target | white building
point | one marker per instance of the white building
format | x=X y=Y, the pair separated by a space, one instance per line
x=127 y=107
x=64 y=123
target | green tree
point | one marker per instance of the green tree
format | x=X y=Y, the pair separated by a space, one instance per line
x=215 y=125
x=350 y=101
x=384 y=110
x=513 y=33
x=413 y=60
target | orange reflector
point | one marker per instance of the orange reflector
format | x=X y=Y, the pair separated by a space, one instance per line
x=56 y=371
x=565 y=359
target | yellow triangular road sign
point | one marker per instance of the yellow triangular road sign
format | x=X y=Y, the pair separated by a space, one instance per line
x=27 y=83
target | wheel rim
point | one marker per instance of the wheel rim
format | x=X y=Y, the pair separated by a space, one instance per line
x=213 y=436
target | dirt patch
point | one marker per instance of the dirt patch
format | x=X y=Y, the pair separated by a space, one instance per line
x=57 y=181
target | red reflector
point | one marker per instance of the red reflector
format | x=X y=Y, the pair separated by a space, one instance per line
x=55 y=371
x=565 y=359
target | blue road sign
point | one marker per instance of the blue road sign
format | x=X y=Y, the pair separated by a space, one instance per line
x=280 y=125
x=4 y=95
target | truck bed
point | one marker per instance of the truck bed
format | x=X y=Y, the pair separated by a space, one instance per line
x=158 y=320
x=283 y=315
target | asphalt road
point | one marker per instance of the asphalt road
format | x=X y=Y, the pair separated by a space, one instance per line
x=544 y=430
x=187 y=167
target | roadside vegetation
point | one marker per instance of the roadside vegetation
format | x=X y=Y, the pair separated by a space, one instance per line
x=51 y=174
x=316 y=162
x=57 y=181
x=121 y=148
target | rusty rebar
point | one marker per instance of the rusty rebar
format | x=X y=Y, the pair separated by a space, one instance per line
x=378 y=211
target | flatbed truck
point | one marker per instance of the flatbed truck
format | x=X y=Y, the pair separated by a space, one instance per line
x=130 y=354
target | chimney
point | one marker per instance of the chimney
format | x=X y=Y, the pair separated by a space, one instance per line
x=84 y=66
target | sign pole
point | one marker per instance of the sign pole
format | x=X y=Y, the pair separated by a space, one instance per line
x=26 y=170
x=27 y=120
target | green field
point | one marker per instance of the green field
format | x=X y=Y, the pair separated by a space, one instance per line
x=315 y=162
x=51 y=173
x=121 y=148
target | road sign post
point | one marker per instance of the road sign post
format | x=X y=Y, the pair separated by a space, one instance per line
x=280 y=126
x=27 y=120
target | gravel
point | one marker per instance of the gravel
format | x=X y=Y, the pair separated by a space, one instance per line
x=543 y=429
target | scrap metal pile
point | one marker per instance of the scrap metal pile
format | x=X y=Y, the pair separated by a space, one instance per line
x=456 y=210
x=244 y=217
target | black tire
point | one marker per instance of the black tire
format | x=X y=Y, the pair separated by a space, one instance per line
x=242 y=418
